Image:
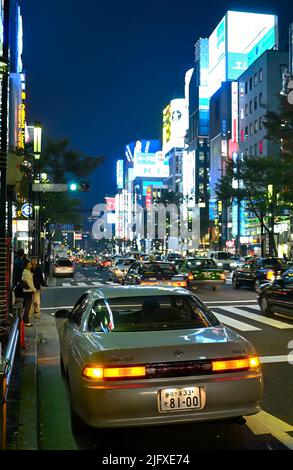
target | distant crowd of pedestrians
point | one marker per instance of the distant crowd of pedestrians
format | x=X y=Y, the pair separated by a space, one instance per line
x=28 y=282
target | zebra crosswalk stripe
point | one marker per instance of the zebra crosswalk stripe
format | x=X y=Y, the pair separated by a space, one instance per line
x=97 y=284
x=257 y=318
x=111 y=283
x=66 y=284
x=82 y=284
x=239 y=325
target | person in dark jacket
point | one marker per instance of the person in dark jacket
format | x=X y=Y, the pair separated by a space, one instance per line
x=38 y=283
x=47 y=268
x=18 y=266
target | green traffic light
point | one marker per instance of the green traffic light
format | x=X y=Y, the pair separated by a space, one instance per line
x=73 y=187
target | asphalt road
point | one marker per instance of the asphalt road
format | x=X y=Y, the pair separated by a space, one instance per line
x=270 y=429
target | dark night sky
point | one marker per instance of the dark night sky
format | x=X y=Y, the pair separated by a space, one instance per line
x=100 y=72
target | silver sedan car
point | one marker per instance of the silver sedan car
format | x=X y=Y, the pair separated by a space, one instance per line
x=139 y=356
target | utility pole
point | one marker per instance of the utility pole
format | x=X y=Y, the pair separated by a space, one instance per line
x=4 y=246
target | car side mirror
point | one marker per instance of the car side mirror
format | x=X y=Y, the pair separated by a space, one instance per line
x=62 y=314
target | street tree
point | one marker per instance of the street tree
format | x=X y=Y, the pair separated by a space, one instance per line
x=263 y=185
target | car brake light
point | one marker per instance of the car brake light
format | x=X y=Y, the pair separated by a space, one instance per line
x=94 y=373
x=270 y=276
x=235 y=364
x=190 y=276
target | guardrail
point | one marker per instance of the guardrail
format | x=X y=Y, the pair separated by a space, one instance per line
x=6 y=368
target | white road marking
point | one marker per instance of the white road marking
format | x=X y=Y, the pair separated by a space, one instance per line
x=235 y=323
x=111 y=283
x=258 y=318
x=97 y=284
x=218 y=302
x=66 y=284
x=82 y=284
x=274 y=359
x=265 y=423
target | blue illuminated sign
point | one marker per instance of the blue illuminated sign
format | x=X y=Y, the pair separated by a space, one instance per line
x=120 y=174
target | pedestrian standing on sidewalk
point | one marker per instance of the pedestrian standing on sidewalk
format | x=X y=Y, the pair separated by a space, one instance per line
x=47 y=269
x=27 y=276
x=38 y=283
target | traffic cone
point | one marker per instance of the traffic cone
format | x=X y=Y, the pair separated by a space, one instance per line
x=21 y=334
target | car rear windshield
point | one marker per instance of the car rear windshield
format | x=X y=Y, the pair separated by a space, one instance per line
x=224 y=256
x=200 y=263
x=158 y=268
x=147 y=313
x=64 y=263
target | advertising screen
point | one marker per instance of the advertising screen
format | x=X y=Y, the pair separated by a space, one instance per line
x=151 y=165
x=120 y=173
x=143 y=145
x=217 y=57
x=239 y=39
x=249 y=36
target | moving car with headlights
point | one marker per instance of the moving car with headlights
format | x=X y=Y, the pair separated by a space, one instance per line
x=150 y=273
x=257 y=271
x=63 y=267
x=202 y=272
x=223 y=259
x=151 y=356
x=173 y=257
x=120 y=268
x=277 y=297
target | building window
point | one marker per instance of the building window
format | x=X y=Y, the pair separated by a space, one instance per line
x=250 y=84
x=250 y=107
x=255 y=126
x=250 y=129
x=201 y=156
x=255 y=103
x=246 y=110
x=246 y=132
x=260 y=75
x=260 y=147
x=200 y=142
x=241 y=113
x=201 y=172
x=246 y=88
x=260 y=123
x=242 y=135
x=260 y=99
x=255 y=150
x=255 y=79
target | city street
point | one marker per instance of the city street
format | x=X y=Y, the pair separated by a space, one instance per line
x=270 y=429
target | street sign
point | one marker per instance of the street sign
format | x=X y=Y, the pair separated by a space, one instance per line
x=62 y=227
x=47 y=187
x=27 y=210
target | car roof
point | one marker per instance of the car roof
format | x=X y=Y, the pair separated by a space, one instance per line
x=135 y=291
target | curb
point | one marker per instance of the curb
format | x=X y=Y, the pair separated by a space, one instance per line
x=27 y=438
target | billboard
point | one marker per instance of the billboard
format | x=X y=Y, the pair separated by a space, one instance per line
x=150 y=165
x=120 y=173
x=217 y=57
x=175 y=124
x=143 y=145
x=238 y=40
x=249 y=36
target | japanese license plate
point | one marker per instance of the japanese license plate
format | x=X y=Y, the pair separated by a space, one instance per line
x=178 y=399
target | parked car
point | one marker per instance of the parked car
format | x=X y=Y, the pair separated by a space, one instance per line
x=63 y=267
x=147 y=273
x=257 y=271
x=118 y=271
x=277 y=297
x=201 y=272
x=152 y=356
x=223 y=259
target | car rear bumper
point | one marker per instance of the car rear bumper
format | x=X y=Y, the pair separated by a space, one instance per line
x=222 y=398
x=63 y=274
x=207 y=282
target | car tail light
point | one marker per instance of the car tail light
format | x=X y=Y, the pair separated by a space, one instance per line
x=119 y=373
x=235 y=364
x=190 y=276
x=270 y=275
